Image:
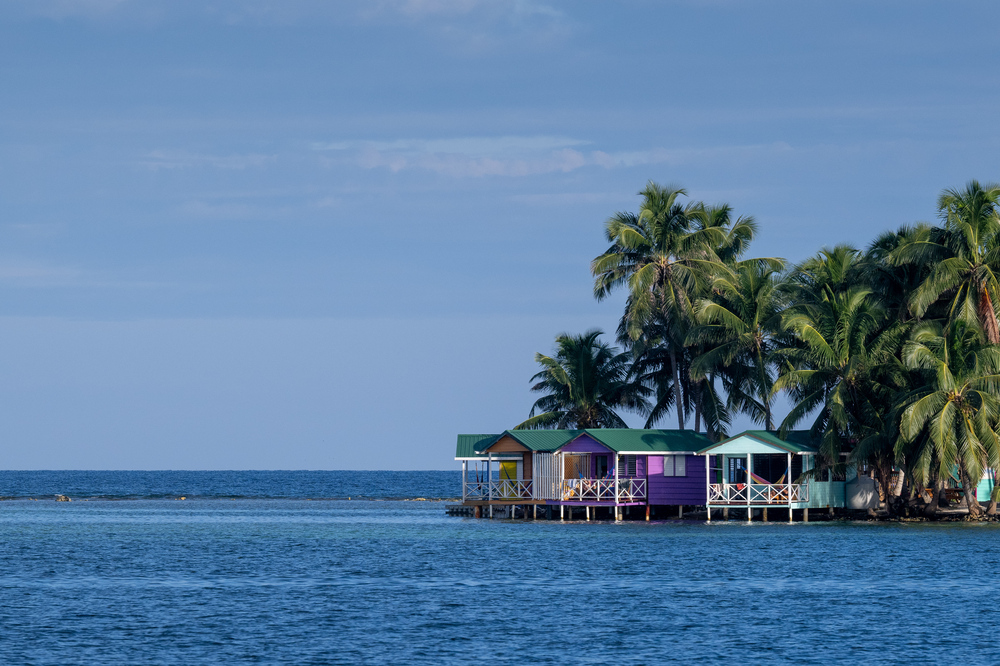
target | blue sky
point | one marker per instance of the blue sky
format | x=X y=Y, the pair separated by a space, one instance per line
x=330 y=235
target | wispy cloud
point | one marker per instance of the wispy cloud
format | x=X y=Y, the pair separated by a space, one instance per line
x=35 y=274
x=521 y=155
x=173 y=159
x=291 y=11
x=422 y=8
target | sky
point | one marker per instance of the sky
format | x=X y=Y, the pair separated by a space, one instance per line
x=302 y=234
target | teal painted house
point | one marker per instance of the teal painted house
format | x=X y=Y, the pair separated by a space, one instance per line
x=759 y=470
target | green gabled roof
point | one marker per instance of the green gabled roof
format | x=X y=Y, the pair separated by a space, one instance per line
x=795 y=441
x=537 y=440
x=468 y=445
x=649 y=441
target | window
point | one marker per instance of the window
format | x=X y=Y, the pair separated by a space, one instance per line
x=737 y=470
x=628 y=463
x=674 y=466
x=601 y=467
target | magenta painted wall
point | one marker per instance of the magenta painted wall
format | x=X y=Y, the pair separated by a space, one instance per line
x=689 y=489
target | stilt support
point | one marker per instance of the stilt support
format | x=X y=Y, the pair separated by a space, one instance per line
x=588 y=514
x=647 y=513
x=680 y=511
x=764 y=516
x=805 y=515
x=725 y=513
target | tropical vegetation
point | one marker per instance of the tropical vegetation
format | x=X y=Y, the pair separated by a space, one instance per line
x=889 y=354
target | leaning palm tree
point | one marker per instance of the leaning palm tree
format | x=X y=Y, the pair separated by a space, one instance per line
x=965 y=254
x=584 y=383
x=959 y=406
x=738 y=327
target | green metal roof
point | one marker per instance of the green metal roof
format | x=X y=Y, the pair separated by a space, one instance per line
x=616 y=439
x=538 y=440
x=796 y=441
x=467 y=445
x=649 y=441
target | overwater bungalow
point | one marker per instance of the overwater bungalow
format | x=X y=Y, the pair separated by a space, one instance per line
x=601 y=469
x=757 y=470
x=659 y=471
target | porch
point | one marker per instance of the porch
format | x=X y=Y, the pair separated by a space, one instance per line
x=757 y=494
x=580 y=491
x=757 y=470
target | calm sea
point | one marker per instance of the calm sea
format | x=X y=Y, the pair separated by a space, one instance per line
x=257 y=567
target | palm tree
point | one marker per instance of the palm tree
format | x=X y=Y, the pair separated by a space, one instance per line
x=891 y=284
x=666 y=255
x=959 y=406
x=644 y=256
x=653 y=368
x=966 y=257
x=584 y=383
x=891 y=281
x=842 y=364
x=738 y=327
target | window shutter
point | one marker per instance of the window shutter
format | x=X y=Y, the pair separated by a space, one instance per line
x=680 y=465
x=668 y=465
x=629 y=465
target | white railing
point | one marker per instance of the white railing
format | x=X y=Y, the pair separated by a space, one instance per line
x=589 y=490
x=476 y=490
x=509 y=489
x=504 y=489
x=579 y=490
x=773 y=493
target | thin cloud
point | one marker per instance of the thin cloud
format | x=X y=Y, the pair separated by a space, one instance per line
x=167 y=159
x=515 y=156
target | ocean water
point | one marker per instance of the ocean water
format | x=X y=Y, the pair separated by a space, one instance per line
x=270 y=576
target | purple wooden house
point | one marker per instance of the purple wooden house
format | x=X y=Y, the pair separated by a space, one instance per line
x=601 y=469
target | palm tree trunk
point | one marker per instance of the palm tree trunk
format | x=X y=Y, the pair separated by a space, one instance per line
x=677 y=387
x=991 y=508
x=698 y=396
x=897 y=487
x=932 y=508
x=766 y=399
x=988 y=317
x=969 y=490
x=709 y=423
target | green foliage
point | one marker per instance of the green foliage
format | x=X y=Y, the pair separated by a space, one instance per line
x=891 y=354
x=584 y=382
